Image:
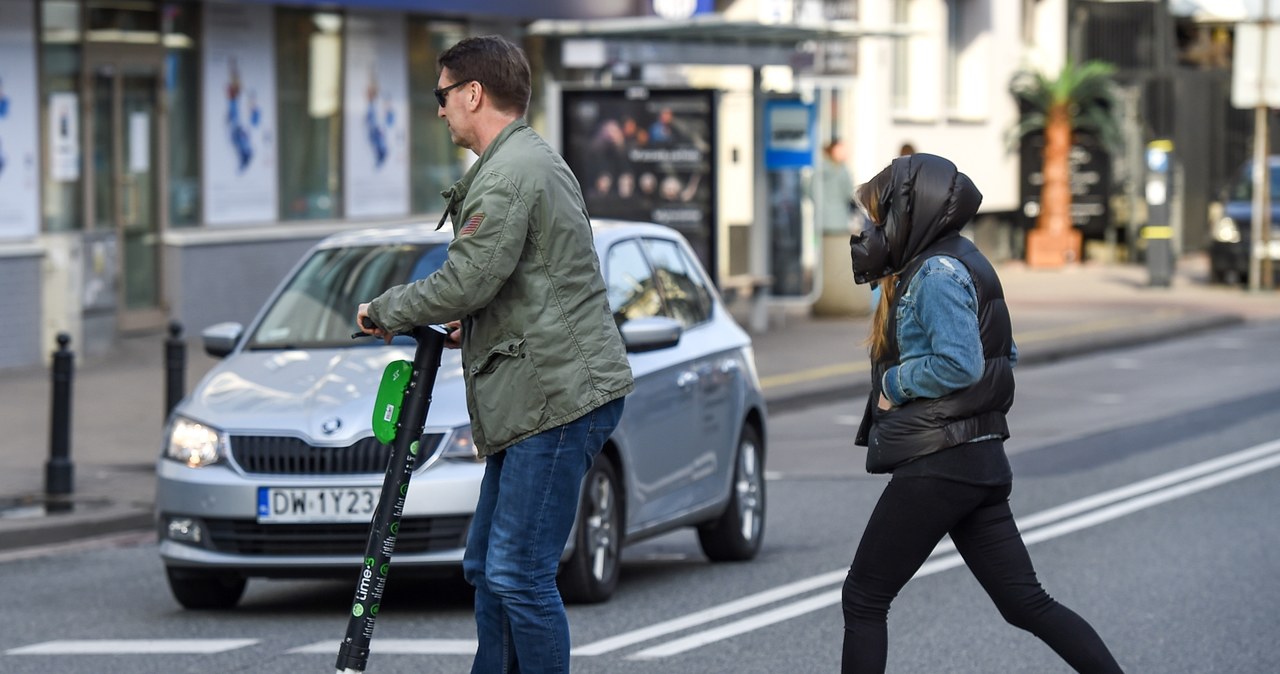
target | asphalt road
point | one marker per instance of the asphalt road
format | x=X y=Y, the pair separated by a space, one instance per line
x=1146 y=484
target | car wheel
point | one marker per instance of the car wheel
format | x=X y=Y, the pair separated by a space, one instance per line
x=205 y=590
x=591 y=572
x=735 y=536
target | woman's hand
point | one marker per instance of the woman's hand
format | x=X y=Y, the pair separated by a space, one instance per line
x=884 y=403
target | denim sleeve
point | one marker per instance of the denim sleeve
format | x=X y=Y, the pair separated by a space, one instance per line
x=947 y=309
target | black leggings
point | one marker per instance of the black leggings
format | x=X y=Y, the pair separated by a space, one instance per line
x=910 y=519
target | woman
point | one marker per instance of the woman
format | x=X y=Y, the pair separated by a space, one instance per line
x=942 y=353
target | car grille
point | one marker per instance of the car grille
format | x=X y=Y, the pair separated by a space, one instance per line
x=417 y=534
x=280 y=455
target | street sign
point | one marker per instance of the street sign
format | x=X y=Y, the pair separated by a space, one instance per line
x=1255 y=79
x=1090 y=182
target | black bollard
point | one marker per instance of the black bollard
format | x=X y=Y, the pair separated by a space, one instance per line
x=175 y=367
x=58 y=481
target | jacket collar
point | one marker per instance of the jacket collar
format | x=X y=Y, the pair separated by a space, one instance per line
x=456 y=193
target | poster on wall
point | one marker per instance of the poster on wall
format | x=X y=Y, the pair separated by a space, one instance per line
x=19 y=129
x=376 y=132
x=239 y=143
x=63 y=128
x=647 y=155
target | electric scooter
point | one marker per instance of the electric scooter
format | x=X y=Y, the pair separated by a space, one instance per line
x=399 y=414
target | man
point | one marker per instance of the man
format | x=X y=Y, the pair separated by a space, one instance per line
x=543 y=361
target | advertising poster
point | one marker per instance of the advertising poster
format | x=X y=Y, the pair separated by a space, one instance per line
x=63 y=128
x=19 y=129
x=376 y=132
x=648 y=156
x=240 y=179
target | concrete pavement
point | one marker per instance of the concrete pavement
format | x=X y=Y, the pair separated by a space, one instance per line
x=117 y=409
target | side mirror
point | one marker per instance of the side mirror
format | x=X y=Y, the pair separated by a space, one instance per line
x=220 y=339
x=651 y=334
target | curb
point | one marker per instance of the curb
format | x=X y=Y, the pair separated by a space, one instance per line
x=50 y=529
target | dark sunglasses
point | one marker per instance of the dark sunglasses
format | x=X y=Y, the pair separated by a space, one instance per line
x=443 y=94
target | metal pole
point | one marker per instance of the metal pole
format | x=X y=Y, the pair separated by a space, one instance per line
x=175 y=367
x=58 y=473
x=1261 y=222
x=353 y=653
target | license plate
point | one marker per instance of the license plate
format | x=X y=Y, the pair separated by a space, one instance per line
x=316 y=504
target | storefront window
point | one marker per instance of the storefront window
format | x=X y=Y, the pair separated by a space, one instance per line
x=309 y=76
x=60 y=110
x=435 y=162
x=181 y=27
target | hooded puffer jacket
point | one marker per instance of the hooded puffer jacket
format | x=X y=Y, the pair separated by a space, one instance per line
x=927 y=202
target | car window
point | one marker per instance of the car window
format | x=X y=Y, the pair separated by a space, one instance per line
x=630 y=283
x=688 y=301
x=318 y=304
x=1242 y=190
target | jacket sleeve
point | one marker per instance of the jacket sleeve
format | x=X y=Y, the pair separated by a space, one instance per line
x=947 y=309
x=490 y=237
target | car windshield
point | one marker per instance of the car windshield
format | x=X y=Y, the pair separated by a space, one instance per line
x=318 y=306
x=1243 y=189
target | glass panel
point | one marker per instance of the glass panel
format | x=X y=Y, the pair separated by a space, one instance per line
x=60 y=109
x=182 y=77
x=138 y=191
x=104 y=167
x=60 y=21
x=309 y=76
x=435 y=162
x=314 y=310
x=132 y=21
x=688 y=300
x=630 y=285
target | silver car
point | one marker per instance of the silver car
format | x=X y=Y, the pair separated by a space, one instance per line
x=270 y=468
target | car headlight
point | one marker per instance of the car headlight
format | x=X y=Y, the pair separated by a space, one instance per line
x=1226 y=231
x=460 y=447
x=194 y=443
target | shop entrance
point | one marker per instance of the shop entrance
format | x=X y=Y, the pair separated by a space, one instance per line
x=125 y=175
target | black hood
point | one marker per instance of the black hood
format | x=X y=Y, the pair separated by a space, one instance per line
x=927 y=200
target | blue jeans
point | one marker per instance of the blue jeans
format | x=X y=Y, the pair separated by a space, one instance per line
x=527 y=504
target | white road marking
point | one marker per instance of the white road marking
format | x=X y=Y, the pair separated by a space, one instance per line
x=400 y=647
x=1141 y=495
x=707 y=615
x=133 y=646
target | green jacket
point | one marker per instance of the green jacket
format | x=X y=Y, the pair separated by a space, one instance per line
x=539 y=344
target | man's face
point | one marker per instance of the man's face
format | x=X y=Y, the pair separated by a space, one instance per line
x=454 y=111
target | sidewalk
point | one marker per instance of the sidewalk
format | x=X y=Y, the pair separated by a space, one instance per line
x=117 y=409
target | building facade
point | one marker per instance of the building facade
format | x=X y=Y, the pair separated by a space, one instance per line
x=168 y=160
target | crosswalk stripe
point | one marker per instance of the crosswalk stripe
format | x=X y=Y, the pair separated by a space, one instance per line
x=131 y=646
x=400 y=647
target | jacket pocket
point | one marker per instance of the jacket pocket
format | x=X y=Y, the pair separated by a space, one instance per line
x=509 y=398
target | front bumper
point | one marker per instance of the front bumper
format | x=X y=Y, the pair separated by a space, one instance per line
x=222 y=502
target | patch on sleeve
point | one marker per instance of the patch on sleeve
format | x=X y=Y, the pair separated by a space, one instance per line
x=472 y=224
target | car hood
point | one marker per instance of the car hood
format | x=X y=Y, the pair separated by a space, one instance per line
x=323 y=395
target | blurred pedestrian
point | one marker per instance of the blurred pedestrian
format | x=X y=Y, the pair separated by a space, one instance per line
x=942 y=355
x=837 y=190
x=906 y=149
x=543 y=362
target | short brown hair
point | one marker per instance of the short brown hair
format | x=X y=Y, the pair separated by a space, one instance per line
x=497 y=64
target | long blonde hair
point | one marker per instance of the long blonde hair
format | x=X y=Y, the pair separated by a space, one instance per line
x=868 y=196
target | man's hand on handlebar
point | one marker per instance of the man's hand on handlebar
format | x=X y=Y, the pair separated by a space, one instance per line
x=367 y=325
x=453 y=335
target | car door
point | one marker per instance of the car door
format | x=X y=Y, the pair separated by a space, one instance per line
x=659 y=428
x=714 y=364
